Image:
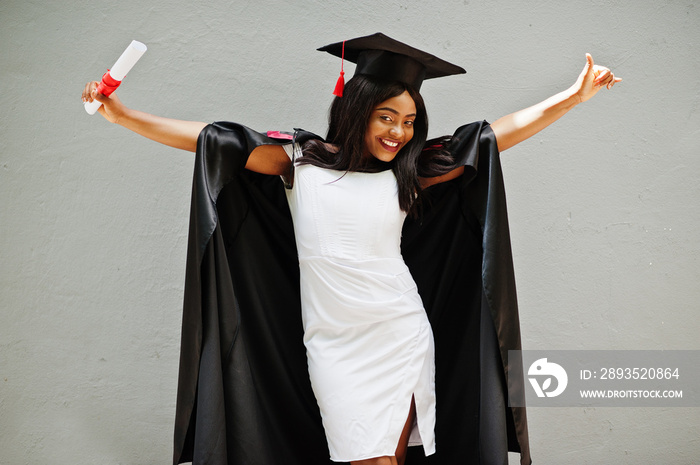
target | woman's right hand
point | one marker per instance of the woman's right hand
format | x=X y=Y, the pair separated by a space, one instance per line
x=112 y=108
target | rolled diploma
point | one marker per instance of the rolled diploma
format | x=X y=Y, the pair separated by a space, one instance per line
x=123 y=65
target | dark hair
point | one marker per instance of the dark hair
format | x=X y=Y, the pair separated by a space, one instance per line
x=347 y=124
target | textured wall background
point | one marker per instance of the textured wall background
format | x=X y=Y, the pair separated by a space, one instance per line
x=93 y=219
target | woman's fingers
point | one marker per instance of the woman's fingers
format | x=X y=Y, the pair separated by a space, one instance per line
x=593 y=78
x=111 y=106
x=604 y=77
x=88 y=91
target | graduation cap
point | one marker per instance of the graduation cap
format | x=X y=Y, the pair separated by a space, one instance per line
x=382 y=56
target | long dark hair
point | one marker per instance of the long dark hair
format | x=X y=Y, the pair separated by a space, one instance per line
x=345 y=144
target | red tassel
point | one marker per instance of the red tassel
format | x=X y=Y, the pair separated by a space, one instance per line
x=340 y=84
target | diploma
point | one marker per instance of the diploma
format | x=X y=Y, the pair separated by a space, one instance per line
x=113 y=77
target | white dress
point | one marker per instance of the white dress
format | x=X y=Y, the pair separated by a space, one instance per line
x=368 y=340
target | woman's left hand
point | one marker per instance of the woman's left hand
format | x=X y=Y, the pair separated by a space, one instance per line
x=516 y=127
x=592 y=79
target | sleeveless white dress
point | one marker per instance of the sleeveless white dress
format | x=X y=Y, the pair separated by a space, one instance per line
x=368 y=340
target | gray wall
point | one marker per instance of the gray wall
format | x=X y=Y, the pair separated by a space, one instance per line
x=93 y=220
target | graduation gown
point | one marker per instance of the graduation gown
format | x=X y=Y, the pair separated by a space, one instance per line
x=244 y=396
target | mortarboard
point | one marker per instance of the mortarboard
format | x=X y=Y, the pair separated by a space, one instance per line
x=382 y=56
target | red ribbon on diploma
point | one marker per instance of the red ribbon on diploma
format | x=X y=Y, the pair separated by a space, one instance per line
x=107 y=85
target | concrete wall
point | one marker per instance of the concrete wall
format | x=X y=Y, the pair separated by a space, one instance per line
x=93 y=219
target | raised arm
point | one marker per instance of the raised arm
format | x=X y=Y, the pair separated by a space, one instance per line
x=516 y=127
x=172 y=132
x=178 y=133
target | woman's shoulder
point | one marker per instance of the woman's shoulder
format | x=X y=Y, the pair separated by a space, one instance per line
x=269 y=159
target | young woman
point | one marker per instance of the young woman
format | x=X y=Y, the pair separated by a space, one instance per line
x=368 y=341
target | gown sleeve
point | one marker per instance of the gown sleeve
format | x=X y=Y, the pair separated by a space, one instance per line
x=244 y=395
x=460 y=256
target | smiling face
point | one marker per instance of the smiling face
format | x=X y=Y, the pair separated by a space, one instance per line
x=390 y=127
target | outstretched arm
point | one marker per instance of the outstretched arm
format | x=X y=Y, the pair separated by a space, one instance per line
x=516 y=127
x=266 y=159
x=172 y=132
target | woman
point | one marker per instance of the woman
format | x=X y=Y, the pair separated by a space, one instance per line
x=368 y=341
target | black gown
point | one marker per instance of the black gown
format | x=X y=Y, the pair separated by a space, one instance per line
x=244 y=395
